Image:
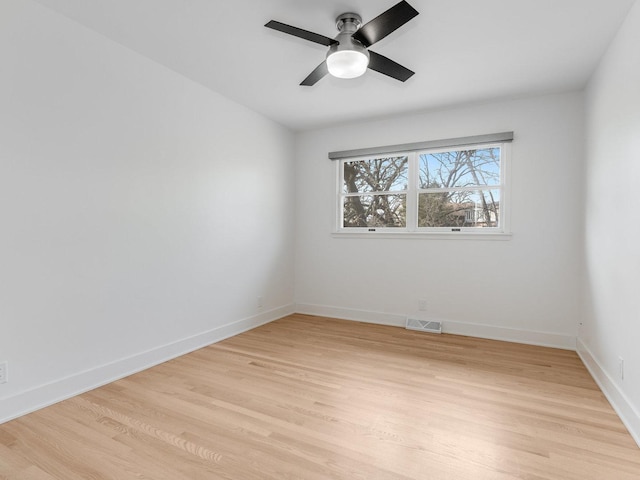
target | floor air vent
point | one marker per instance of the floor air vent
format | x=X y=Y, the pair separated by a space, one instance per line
x=423 y=325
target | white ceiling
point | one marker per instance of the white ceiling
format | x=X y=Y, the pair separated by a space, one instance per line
x=461 y=50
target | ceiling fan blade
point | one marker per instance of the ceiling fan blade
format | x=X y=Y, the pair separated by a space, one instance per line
x=319 y=72
x=299 y=32
x=388 y=67
x=385 y=23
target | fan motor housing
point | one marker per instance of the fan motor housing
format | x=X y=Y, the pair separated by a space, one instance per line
x=348 y=24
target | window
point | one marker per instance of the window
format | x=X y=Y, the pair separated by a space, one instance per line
x=452 y=190
x=375 y=192
x=459 y=188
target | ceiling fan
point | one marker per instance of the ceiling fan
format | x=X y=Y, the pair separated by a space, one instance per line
x=348 y=55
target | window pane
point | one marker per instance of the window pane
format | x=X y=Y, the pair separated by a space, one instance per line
x=460 y=168
x=376 y=175
x=459 y=209
x=375 y=211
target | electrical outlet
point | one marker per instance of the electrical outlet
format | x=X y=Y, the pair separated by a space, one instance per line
x=4 y=372
x=621 y=368
x=422 y=305
x=259 y=303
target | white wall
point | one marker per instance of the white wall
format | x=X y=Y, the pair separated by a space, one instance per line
x=141 y=215
x=611 y=327
x=527 y=288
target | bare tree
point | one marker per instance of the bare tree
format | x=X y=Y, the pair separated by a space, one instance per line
x=376 y=178
x=459 y=180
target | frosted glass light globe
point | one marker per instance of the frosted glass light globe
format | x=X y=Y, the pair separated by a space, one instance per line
x=347 y=63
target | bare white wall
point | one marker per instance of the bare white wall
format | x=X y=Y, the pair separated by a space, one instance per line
x=527 y=288
x=611 y=326
x=141 y=215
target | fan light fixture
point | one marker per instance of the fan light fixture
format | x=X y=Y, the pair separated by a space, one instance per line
x=348 y=58
x=347 y=63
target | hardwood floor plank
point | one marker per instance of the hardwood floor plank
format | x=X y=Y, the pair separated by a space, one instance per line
x=315 y=398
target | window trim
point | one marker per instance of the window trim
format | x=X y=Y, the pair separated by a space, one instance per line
x=411 y=230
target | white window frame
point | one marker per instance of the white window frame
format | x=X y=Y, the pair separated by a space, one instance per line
x=502 y=232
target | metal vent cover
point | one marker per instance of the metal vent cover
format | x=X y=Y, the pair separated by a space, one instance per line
x=430 y=326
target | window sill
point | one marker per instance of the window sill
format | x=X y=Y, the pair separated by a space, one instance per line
x=427 y=236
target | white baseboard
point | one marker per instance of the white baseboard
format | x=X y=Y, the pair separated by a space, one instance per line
x=506 y=334
x=58 y=390
x=365 y=316
x=531 y=337
x=619 y=401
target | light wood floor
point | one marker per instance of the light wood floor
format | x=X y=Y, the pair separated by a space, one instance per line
x=314 y=398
